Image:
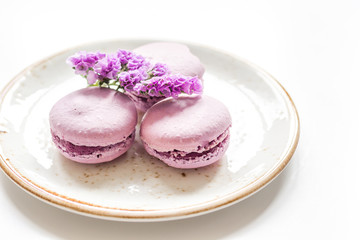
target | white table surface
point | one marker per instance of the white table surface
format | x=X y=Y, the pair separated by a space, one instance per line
x=311 y=47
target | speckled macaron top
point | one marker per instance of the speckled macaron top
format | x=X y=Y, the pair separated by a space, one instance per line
x=93 y=116
x=184 y=124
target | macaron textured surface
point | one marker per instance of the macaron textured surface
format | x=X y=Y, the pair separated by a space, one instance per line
x=176 y=55
x=188 y=132
x=93 y=124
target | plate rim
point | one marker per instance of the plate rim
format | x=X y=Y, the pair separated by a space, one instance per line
x=119 y=214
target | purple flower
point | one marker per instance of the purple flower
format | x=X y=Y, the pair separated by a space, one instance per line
x=92 y=77
x=108 y=67
x=126 y=81
x=124 y=56
x=137 y=62
x=196 y=85
x=100 y=55
x=160 y=69
x=124 y=78
x=81 y=68
x=139 y=75
x=169 y=85
x=129 y=79
x=83 y=61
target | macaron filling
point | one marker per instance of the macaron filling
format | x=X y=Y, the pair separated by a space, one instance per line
x=204 y=155
x=80 y=151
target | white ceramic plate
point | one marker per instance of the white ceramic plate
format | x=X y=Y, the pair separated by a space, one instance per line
x=137 y=187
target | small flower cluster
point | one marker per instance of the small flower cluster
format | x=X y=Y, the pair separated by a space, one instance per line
x=103 y=68
x=169 y=86
x=82 y=61
x=132 y=73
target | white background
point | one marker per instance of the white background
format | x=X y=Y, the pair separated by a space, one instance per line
x=311 y=47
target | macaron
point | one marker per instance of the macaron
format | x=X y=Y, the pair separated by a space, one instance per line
x=177 y=56
x=93 y=125
x=188 y=132
x=179 y=60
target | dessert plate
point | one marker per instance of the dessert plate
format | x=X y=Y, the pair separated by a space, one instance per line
x=136 y=186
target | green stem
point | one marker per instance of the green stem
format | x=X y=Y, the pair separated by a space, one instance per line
x=118 y=88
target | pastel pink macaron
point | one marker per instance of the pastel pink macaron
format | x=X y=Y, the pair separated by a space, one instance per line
x=93 y=125
x=179 y=60
x=177 y=56
x=188 y=132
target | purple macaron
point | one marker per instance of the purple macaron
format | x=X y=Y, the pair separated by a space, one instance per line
x=188 y=132
x=93 y=125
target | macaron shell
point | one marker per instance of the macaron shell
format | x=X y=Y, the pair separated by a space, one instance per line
x=177 y=56
x=184 y=124
x=105 y=157
x=93 y=116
